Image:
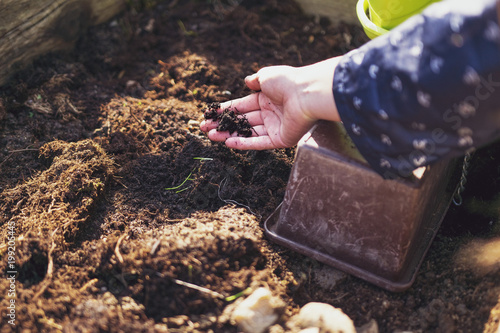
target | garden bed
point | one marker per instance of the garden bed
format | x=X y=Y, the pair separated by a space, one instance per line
x=117 y=197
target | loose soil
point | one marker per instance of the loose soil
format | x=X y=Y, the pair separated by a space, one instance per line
x=116 y=195
x=229 y=120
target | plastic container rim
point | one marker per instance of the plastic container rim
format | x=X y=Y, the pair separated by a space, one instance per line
x=371 y=29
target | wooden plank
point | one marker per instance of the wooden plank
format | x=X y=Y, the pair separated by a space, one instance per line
x=335 y=10
x=30 y=28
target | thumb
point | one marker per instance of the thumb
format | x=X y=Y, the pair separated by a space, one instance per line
x=252 y=82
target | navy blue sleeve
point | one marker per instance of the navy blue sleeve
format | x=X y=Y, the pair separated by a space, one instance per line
x=429 y=89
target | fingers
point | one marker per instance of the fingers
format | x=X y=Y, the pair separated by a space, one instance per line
x=252 y=143
x=243 y=104
x=253 y=117
x=258 y=141
x=252 y=82
x=207 y=125
x=215 y=135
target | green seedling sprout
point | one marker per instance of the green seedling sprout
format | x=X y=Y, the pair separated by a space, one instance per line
x=236 y=296
x=185 y=188
x=202 y=159
x=183 y=182
x=184 y=30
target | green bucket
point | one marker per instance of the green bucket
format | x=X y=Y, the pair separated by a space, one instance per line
x=379 y=16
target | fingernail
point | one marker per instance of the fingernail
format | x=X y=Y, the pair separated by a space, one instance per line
x=251 y=77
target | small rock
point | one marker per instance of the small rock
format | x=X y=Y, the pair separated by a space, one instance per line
x=177 y=321
x=193 y=124
x=109 y=299
x=129 y=305
x=326 y=317
x=150 y=26
x=161 y=328
x=258 y=312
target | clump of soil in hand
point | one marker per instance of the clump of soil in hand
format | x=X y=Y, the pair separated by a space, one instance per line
x=229 y=120
x=211 y=111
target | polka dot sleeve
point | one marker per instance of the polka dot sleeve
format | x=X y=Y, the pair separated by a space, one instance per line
x=429 y=89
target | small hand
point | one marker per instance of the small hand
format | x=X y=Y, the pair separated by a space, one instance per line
x=287 y=102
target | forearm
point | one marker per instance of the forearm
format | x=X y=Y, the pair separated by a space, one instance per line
x=428 y=90
x=314 y=84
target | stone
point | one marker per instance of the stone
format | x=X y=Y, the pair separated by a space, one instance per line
x=257 y=312
x=326 y=317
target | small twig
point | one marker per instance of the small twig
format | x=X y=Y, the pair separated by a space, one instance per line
x=22 y=150
x=174 y=220
x=73 y=108
x=133 y=115
x=198 y=288
x=50 y=322
x=88 y=284
x=50 y=268
x=195 y=287
x=206 y=290
x=6 y=159
x=154 y=248
x=119 y=182
x=11 y=152
x=51 y=205
x=117 y=248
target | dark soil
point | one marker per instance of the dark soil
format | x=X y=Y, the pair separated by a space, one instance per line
x=116 y=195
x=228 y=120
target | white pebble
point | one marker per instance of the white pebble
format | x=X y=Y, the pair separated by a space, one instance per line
x=326 y=317
x=258 y=312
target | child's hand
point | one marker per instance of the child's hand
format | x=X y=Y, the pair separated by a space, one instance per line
x=287 y=103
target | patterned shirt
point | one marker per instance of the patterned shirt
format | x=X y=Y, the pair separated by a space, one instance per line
x=429 y=89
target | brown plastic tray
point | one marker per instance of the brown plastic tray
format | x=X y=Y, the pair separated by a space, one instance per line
x=337 y=210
